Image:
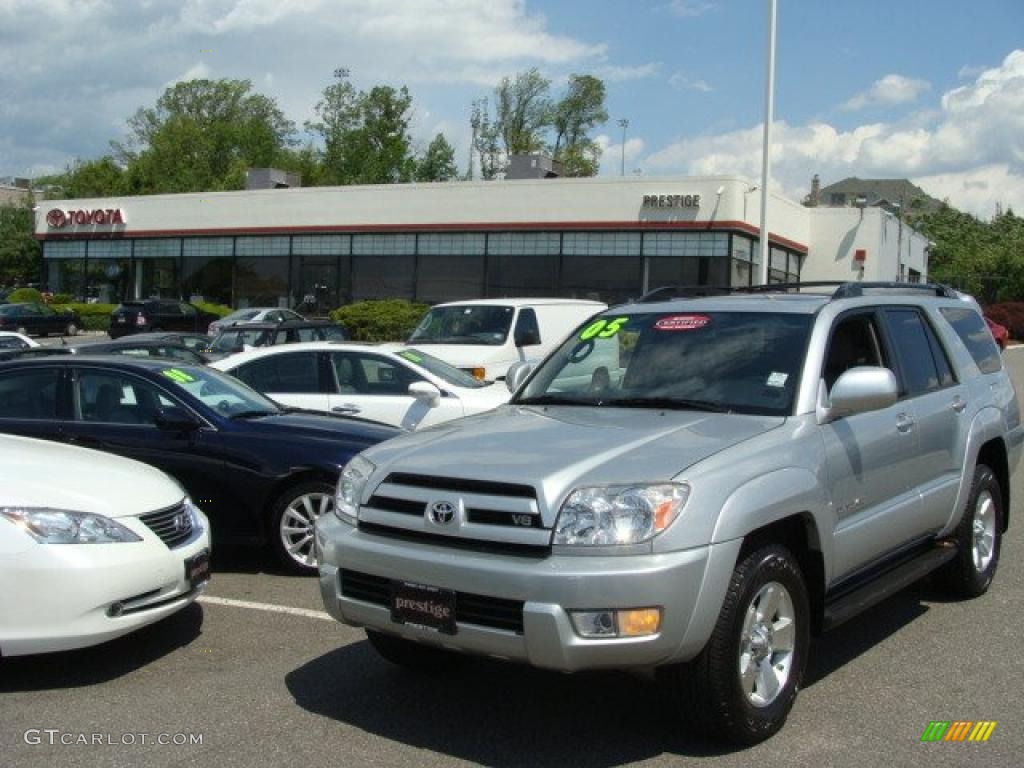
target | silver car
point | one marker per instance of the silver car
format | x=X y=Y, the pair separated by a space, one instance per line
x=694 y=486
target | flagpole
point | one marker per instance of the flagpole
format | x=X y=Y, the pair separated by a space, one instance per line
x=766 y=161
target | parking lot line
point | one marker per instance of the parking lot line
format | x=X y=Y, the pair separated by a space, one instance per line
x=270 y=608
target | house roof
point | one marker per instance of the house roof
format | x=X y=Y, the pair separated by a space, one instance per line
x=885 y=193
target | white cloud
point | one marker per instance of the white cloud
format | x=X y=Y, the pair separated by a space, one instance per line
x=684 y=83
x=689 y=8
x=611 y=154
x=620 y=74
x=971 y=148
x=889 y=91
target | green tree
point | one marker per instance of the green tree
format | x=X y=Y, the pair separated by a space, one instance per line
x=202 y=135
x=88 y=178
x=579 y=111
x=366 y=134
x=438 y=162
x=20 y=254
x=523 y=112
x=485 y=141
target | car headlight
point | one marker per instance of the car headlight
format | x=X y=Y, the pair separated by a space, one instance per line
x=351 y=484
x=60 y=526
x=618 y=514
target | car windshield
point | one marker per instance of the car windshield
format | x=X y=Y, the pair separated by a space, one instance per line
x=441 y=369
x=224 y=394
x=12 y=342
x=465 y=324
x=728 y=362
x=239 y=315
x=232 y=339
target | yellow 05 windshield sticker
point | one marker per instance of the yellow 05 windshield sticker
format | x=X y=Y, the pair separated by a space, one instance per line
x=603 y=328
x=178 y=376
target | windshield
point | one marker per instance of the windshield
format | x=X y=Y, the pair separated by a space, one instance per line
x=441 y=369
x=465 y=324
x=235 y=338
x=224 y=394
x=239 y=314
x=729 y=362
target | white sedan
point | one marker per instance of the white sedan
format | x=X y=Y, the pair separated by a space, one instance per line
x=111 y=546
x=11 y=340
x=392 y=383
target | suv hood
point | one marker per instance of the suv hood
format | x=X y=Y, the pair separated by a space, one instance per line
x=558 y=448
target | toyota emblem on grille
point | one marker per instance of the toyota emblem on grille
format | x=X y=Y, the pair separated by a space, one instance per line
x=441 y=512
x=180 y=522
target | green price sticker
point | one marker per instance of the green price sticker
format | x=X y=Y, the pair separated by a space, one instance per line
x=603 y=328
x=178 y=376
x=411 y=356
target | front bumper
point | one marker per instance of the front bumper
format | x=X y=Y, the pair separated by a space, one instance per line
x=64 y=591
x=688 y=586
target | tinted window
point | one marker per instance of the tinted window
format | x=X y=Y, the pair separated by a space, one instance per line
x=296 y=373
x=371 y=375
x=854 y=343
x=912 y=346
x=29 y=394
x=187 y=309
x=526 y=326
x=976 y=337
x=116 y=398
x=12 y=342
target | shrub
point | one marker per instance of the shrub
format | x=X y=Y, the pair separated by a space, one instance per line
x=1010 y=314
x=218 y=309
x=383 y=320
x=61 y=298
x=94 y=317
x=20 y=295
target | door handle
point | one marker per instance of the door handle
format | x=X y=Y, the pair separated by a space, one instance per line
x=959 y=404
x=346 y=408
x=904 y=423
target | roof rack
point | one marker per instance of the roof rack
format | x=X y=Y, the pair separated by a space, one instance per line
x=844 y=289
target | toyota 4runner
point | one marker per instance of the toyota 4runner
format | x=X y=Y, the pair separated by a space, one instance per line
x=695 y=486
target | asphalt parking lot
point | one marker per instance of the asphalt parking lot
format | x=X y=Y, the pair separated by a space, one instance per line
x=260 y=676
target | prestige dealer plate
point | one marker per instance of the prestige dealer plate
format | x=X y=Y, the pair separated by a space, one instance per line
x=423 y=606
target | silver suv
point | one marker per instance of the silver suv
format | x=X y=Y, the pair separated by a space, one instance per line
x=691 y=485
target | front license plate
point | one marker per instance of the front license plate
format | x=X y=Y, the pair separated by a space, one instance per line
x=197 y=569
x=423 y=606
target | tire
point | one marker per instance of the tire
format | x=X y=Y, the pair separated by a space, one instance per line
x=413 y=656
x=71 y=330
x=292 y=519
x=712 y=693
x=979 y=538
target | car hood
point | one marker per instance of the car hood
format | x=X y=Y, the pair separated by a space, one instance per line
x=89 y=481
x=558 y=448
x=290 y=425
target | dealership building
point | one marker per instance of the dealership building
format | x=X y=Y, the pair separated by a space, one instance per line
x=317 y=248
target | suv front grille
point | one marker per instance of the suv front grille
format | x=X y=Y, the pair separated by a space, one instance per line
x=173 y=525
x=482 y=610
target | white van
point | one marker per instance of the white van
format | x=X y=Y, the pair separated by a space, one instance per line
x=484 y=337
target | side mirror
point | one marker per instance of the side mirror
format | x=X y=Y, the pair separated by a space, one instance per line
x=517 y=374
x=425 y=392
x=527 y=338
x=175 y=419
x=858 y=390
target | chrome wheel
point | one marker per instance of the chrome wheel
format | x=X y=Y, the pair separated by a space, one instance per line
x=983 y=528
x=767 y=642
x=296 y=527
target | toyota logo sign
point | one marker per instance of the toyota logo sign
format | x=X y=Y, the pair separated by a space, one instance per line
x=441 y=512
x=56 y=218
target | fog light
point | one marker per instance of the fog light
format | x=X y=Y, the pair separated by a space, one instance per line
x=639 y=622
x=115 y=610
x=594 y=623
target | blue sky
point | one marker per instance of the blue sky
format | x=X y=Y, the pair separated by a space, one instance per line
x=933 y=91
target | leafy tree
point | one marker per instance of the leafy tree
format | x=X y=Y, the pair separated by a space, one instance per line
x=438 y=163
x=485 y=141
x=579 y=111
x=20 y=254
x=366 y=134
x=202 y=135
x=523 y=111
x=89 y=178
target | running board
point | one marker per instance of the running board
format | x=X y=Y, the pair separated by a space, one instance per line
x=848 y=603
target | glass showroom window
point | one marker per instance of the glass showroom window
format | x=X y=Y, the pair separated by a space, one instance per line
x=261 y=272
x=109 y=278
x=156 y=268
x=777 y=266
x=522 y=264
x=742 y=269
x=383 y=266
x=207 y=268
x=65 y=266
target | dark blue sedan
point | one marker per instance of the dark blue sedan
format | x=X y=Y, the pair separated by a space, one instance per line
x=260 y=472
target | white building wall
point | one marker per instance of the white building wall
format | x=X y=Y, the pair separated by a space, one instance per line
x=837 y=233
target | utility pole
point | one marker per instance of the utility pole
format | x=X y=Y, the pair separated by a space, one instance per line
x=624 y=124
x=769 y=112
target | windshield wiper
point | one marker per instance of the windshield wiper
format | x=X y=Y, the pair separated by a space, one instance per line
x=552 y=400
x=673 y=403
x=253 y=414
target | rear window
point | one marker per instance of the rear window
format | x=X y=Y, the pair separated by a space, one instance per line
x=976 y=337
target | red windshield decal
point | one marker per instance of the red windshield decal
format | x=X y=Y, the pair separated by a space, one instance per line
x=682 y=322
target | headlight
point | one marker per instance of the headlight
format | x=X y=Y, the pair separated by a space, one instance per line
x=618 y=514
x=350 y=488
x=58 y=526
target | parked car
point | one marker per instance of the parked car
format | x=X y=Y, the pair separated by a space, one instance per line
x=112 y=547
x=23 y=353
x=999 y=332
x=158 y=315
x=390 y=383
x=12 y=340
x=253 y=315
x=693 y=487
x=485 y=337
x=32 y=319
x=260 y=472
x=252 y=335
x=168 y=345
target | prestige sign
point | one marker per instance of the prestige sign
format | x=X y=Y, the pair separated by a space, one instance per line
x=58 y=219
x=671 y=201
